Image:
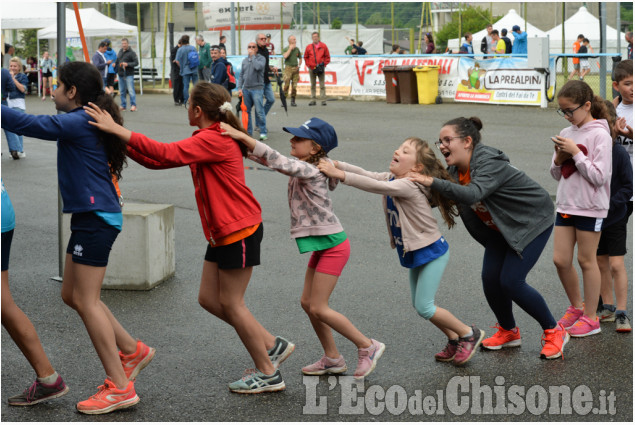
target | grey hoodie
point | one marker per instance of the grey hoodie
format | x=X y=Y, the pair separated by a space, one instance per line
x=520 y=207
x=252 y=73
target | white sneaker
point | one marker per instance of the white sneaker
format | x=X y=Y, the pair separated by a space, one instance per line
x=21 y=154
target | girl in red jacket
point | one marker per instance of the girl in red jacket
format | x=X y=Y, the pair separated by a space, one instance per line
x=231 y=221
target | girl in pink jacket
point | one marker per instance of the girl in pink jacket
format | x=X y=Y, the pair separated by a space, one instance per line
x=582 y=166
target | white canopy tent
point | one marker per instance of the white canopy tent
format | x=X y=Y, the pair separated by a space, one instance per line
x=508 y=21
x=24 y=15
x=583 y=22
x=94 y=24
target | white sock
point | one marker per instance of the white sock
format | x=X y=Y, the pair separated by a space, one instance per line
x=468 y=334
x=49 y=380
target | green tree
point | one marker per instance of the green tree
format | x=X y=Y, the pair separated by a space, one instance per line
x=473 y=19
x=377 y=18
x=27 y=44
x=336 y=24
x=626 y=15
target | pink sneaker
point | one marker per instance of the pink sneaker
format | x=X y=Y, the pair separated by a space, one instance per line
x=585 y=327
x=467 y=346
x=326 y=365
x=368 y=358
x=448 y=352
x=570 y=317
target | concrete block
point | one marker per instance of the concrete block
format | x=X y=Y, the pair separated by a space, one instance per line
x=143 y=254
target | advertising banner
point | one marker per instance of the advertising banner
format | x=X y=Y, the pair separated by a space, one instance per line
x=256 y=15
x=499 y=81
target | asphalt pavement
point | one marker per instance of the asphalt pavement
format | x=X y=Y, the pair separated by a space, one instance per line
x=197 y=354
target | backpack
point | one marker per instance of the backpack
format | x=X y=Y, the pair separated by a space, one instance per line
x=192 y=59
x=231 y=77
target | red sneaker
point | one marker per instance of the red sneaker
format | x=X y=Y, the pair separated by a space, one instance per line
x=502 y=338
x=133 y=363
x=109 y=398
x=553 y=342
x=448 y=352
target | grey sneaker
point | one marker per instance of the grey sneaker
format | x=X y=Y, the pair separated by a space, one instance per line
x=281 y=351
x=622 y=324
x=606 y=315
x=39 y=392
x=257 y=382
x=324 y=103
x=312 y=103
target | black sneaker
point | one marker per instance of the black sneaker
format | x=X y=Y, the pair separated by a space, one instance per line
x=281 y=351
x=324 y=103
x=312 y=103
x=257 y=382
x=39 y=392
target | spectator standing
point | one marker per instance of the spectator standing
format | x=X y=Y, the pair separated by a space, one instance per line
x=126 y=62
x=508 y=42
x=221 y=43
x=292 y=61
x=466 y=47
x=16 y=101
x=263 y=50
x=317 y=57
x=9 y=51
x=204 y=59
x=428 y=43
x=250 y=87
x=486 y=42
x=271 y=48
x=100 y=61
x=520 y=41
x=576 y=61
x=219 y=68
x=585 y=66
x=188 y=70
x=395 y=49
x=111 y=56
x=499 y=43
x=629 y=48
x=46 y=66
x=175 y=76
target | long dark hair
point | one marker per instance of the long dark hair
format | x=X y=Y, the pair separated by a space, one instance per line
x=210 y=97
x=467 y=127
x=433 y=167
x=89 y=85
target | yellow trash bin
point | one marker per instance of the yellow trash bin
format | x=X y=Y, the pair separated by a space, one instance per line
x=427 y=83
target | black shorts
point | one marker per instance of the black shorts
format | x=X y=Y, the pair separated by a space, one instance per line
x=7 y=237
x=110 y=79
x=91 y=239
x=589 y=224
x=47 y=74
x=238 y=255
x=613 y=239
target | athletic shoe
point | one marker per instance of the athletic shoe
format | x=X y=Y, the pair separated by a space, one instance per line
x=133 y=363
x=325 y=366
x=312 y=103
x=367 y=358
x=570 y=317
x=606 y=315
x=122 y=109
x=622 y=323
x=553 y=342
x=467 y=346
x=39 y=392
x=324 y=103
x=502 y=338
x=21 y=154
x=133 y=108
x=448 y=352
x=281 y=351
x=263 y=137
x=109 y=398
x=14 y=154
x=585 y=327
x=257 y=382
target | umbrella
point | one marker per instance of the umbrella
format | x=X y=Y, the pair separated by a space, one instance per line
x=242 y=108
x=283 y=99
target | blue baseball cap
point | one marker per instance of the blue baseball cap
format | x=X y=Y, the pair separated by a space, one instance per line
x=317 y=130
x=515 y=28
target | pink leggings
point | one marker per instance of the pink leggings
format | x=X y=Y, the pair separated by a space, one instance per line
x=331 y=261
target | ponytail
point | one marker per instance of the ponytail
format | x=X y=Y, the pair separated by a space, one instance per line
x=598 y=109
x=580 y=93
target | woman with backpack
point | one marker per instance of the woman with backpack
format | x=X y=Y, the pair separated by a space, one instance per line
x=187 y=60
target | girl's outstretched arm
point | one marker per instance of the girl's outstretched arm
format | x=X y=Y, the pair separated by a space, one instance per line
x=328 y=168
x=104 y=122
x=245 y=139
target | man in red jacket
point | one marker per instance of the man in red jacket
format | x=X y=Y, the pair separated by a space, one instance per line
x=316 y=57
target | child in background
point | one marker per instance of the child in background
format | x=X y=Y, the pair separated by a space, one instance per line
x=15 y=100
x=581 y=164
x=612 y=245
x=585 y=66
x=414 y=232
x=231 y=220
x=49 y=384
x=87 y=159
x=316 y=229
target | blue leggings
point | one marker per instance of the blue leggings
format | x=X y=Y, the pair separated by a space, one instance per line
x=504 y=274
x=424 y=282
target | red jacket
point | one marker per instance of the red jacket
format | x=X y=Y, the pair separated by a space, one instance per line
x=225 y=203
x=322 y=55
